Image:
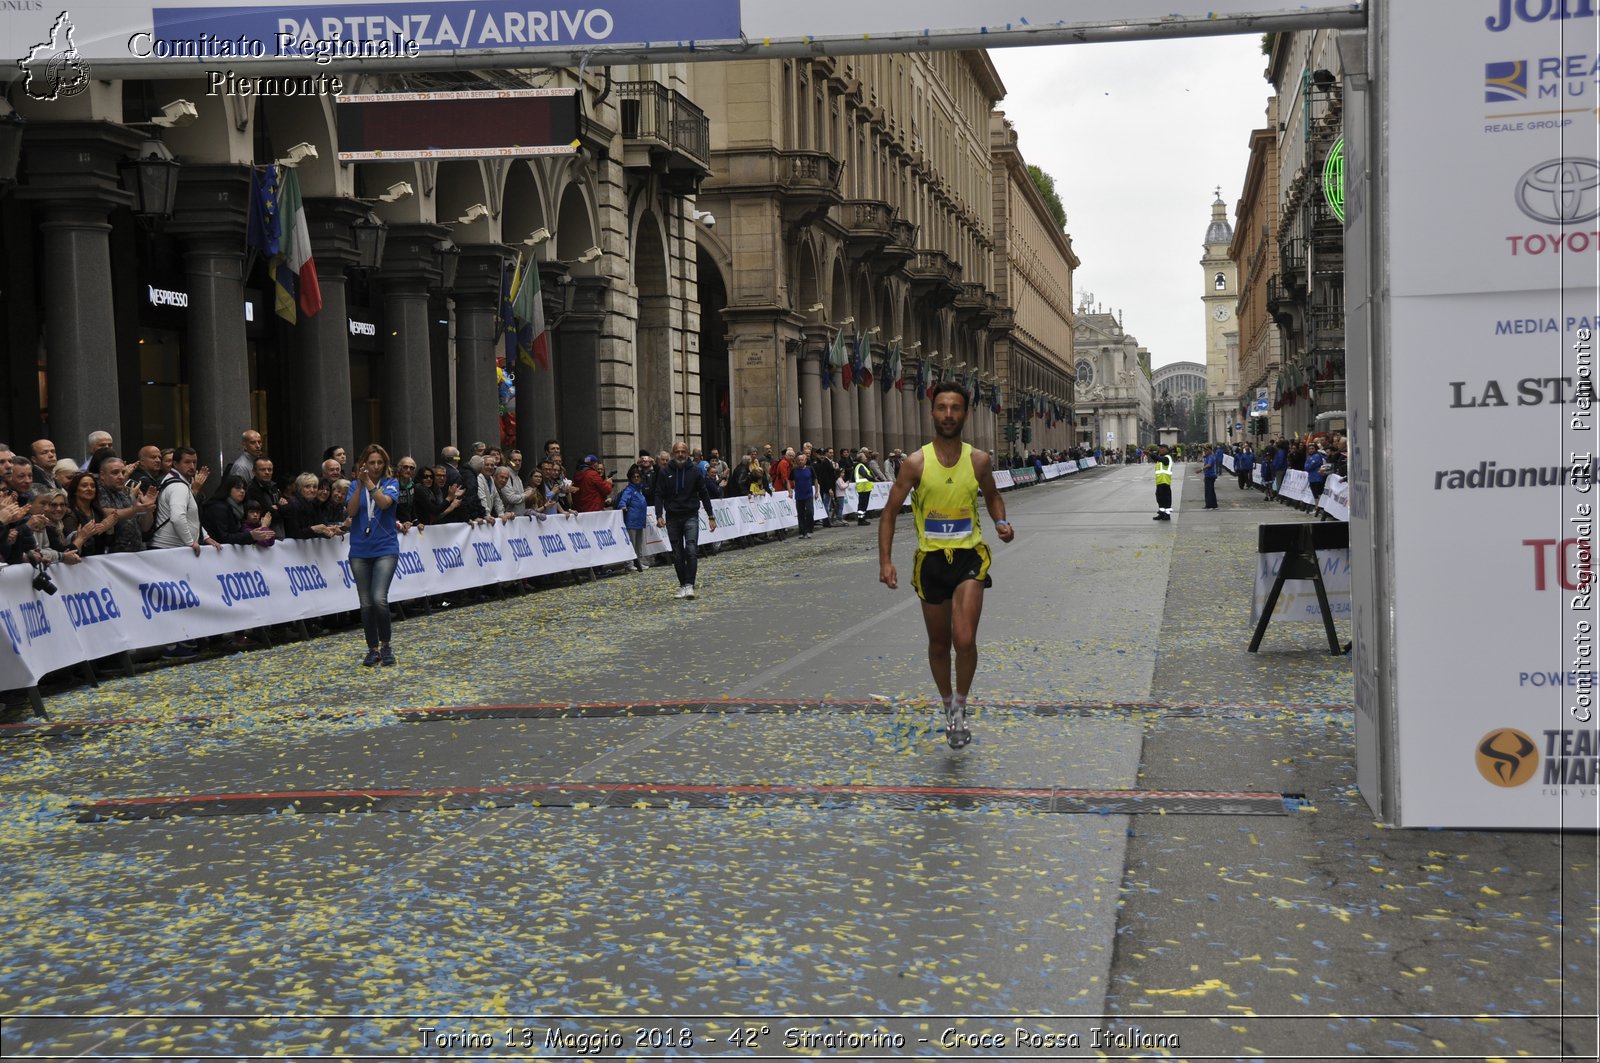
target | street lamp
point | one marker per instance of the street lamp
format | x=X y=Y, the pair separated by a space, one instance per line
x=152 y=177
x=370 y=235
x=11 y=124
x=448 y=258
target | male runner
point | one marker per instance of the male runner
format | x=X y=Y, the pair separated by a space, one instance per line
x=951 y=567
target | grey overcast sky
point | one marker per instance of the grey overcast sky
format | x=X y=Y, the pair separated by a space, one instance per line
x=1138 y=136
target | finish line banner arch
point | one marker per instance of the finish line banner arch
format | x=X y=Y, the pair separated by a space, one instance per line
x=60 y=44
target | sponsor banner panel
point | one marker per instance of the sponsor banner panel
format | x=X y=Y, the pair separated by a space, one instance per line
x=1493 y=534
x=1298 y=600
x=1227 y=462
x=1509 y=98
x=1003 y=480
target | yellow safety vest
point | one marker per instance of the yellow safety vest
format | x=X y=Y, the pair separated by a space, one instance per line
x=863 y=477
x=945 y=503
x=1164 y=471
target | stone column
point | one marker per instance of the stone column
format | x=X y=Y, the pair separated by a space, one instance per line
x=578 y=375
x=71 y=173
x=893 y=418
x=846 y=422
x=871 y=416
x=477 y=299
x=213 y=206
x=911 y=421
x=321 y=358
x=791 y=394
x=813 y=410
x=410 y=268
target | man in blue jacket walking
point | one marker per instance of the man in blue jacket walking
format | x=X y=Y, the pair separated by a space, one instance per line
x=680 y=494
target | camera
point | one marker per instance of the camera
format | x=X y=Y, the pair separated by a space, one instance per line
x=42 y=580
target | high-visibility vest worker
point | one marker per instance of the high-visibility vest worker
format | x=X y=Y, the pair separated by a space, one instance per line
x=863 y=477
x=1164 y=470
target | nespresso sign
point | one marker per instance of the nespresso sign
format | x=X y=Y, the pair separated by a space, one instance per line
x=362 y=328
x=164 y=297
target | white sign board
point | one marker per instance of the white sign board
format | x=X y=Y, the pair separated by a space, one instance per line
x=1492 y=286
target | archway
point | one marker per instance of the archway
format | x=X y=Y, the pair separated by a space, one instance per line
x=716 y=376
x=576 y=343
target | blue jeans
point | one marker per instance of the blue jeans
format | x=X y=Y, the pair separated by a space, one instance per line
x=372 y=576
x=684 y=535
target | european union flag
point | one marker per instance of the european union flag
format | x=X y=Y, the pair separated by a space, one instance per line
x=264 y=230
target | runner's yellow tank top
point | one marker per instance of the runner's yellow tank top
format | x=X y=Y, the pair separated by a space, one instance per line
x=945 y=503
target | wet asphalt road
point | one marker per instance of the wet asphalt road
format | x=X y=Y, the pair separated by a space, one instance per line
x=736 y=814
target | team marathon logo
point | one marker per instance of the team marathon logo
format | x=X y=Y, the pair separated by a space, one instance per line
x=1507 y=757
x=53 y=69
x=1571 y=757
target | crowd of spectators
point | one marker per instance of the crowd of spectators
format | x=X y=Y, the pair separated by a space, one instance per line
x=1318 y=456
x=58 y=510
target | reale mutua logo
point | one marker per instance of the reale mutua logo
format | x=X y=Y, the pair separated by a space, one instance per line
x=53 y=69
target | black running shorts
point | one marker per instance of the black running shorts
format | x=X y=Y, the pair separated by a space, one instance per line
x=936 y=573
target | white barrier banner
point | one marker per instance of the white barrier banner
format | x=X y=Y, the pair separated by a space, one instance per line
x=1227 y=463
x=1299 y=598
x=1088 y=463
x=1335 y=501
x=1297 y=486
x=1002 y=479
x=107 y=605
x=1260 y=475
x=1068 y=468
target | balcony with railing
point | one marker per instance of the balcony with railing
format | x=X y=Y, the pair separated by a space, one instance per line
x=1292 y=263
x=971 y=304
x=808 y=185
x=934 y=277
x=868 y=226
x=662 y=131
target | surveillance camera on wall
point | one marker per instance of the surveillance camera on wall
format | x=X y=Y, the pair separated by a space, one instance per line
x=706 y=218
x=298 y=154
x=176 y=114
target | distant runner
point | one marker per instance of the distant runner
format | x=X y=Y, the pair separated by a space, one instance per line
x=951 y=567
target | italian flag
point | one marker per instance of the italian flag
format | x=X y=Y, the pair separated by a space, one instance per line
x=527 y=309
x=294 y=273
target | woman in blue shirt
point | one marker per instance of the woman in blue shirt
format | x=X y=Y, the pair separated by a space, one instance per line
x=374 y=547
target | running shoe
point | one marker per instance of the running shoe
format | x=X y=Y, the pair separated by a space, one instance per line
x=955 y=726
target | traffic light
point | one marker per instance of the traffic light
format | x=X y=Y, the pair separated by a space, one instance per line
x=1011 y=432
x=1027 y=433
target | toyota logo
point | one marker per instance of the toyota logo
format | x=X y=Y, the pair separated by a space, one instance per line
x=1561 y=191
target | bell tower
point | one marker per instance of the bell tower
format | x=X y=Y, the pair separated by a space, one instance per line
x=1220 y=295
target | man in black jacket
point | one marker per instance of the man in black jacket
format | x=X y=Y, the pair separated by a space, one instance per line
x=680 y=494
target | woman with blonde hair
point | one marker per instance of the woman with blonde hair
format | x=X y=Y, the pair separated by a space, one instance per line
x=374 y=547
